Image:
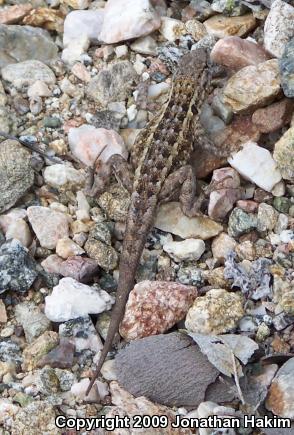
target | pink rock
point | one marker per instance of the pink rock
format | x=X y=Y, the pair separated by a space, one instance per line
x=88 y=142
x=247 y=205
x=11 y=217
x=154 y=307
x=128 y=19
x=222 y=201
x=14 y=14
x=235 y=53
x=274 y=116
x=80 y=268
x=81 y=72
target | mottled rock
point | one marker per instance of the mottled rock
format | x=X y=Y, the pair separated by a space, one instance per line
x=189 y=249
x=115 y=203
x=71 y=299
x=253 y=86
x=284 y=154
x=267 y=217
x=280 y=399
x=18 y=270
x=81 y=269
x=37 y=417
x=170 y=218
x=38 y=348
x=167 y=369
x=221 y=26
x=235 y=53
x=16 y=173
x=286 y=64
x=105 y=255
x=64 y=177
x=217 y=312
x=48 y=225
x=14 y=14
x=66 y=247
x=274 y=116
x=33 y=321
x=163 y=303
x=47 y=18
x=278 y=27
x=172 y=29
x=10 y=352
x=128 y=20
x=241 y=223
x=81 y=72
x=27 y=72
x=77 y=4
x=222 y=245
x=256 y=164
x=82 y=333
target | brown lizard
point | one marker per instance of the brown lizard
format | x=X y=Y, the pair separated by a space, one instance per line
x=162 y=152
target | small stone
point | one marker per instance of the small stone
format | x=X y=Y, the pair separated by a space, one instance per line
x=216 y=313
x=280 y=398
x=48 y=225
x=38 y=348
x=253 y=86
x=105 y=255
x=170 y=218
x=71 y=299
x=187 y=250
x=282 y=204
x=222 y=201
x=286 y=64
x=241 y=223
x=3 y=314
x=67 y=248
x=27 y=73
x=145 y=45
x=62 y=356
x=196 y=29
x=81 y=72
x=172 y=29
x=47 y=18
x=88 y=142
x=247 y=205
x=52 y=122
x=235 y=53
x=82 y=333
x=33 y=321
x=164 y=304
x=279 y=189
x=77 y=4
x=128 y=20
x=38 y=416
x=20 y=231
x=221 y=246
x=63 y=176
x=274 y=116
x=221 y=26
x=79 y=390
x=256 y=164
x=278 y=27
x=267 y=217
x=284 y=154
x=14 y=14
x=121 y=51
x=38 y=89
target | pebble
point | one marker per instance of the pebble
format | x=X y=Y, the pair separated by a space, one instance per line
x=63 y=176
x=88 y=142
x=172 y=29
x=3 y=314
x=187 y=250
x=65 y=248
x=241 y=223
x=82 y=333
x=48 y=225
x=38 y=89
x=196 y=29
x=274 y=116
x=253 y=86
x=286 y=64
x=267 y=217
x=115 y=203
x=278 y=27
x=104 y=255
x=40 y=347
x=280 y=398
x=284 y=154
x=221 y=26
x=256 y=164
x=144 y=45
x=71 y=299
x=27 y=73
x=235 y=53
x=33 y=321
x=128 y=20
x=221 y=246
x=164 y=304
x=171 y=219
x=14 y=14
x=47 y=18
x=38 y=415
x=20 y=231
x=81 y=269
x=218 y=312
x=79 y=390
x=62 y=356
x=77 y=4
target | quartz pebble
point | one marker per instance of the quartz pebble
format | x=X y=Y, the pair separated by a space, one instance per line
x=144 y=45
x=278 y=27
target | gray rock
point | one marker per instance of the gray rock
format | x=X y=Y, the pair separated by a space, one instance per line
x=10 y=352
x=19 y=43
x=82 y=333
x=106 y=119
x=168 y=369
x=241 y=222
x=286 y=64
x=33 y=321
x=16 y=173
x=18 y=270
x=27 y=73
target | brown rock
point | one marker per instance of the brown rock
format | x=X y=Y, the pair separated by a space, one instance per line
x=235 y=53
x=280 y=399
x=14 y=14
x=274 y=116
x=222 y=26
x=47 y=18
x=154 y=307
x=80 y=268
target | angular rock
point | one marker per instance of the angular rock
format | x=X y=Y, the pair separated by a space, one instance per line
x=14 y=14
x=189 y=249
x=284 y=154
x=36 y=417
x=20 y=231
x=222 y=245
x=172 y=29
x=33 y=321
x=286 y=64
x=163 y=304
x=66 y=247
x=62 y=356
x=81 y=269
x=221 y=26
x=82 y=333
x=280 y=399
x=274 y=116
x=47 y=18
x=63 y=176
x=38 y=348
x=278 y=27
x=104 y=255
x=241 y=223
x=267 y=217
x=27 y=73
x=71 y=299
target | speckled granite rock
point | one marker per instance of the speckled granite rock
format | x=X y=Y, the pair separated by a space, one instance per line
x=278 y=27
x=38 y=417
x=281 y=393
x=284 y=154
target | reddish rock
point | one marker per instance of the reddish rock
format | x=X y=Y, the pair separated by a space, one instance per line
x=14 y=14
x=235 y=53
x=222 y=201
x=247 y=205
x=80 y=268
x=274 y=116
x=154 y=307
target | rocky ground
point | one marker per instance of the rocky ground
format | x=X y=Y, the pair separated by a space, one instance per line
x=211 y=319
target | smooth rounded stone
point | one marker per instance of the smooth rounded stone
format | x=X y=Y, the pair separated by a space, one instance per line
x=221 y=246
x=280 y=398
x=235 y=53
x=14 y=14
x=267 y=217
x=253 y=86
x=170 y=218
x=62 y=356
x=168 y=369
x=48 y=225
x=105 y=255
x=71 y=299
x=256 y=164
x=37 y=417
x=27 y=73
x=127 y=20
x=18 y=270
x=33 y=321
x=20 y=231
x=25 y=42
x=63 y=176
x=65 y=248
x=273 y=117
x=145 y=45
x=112 y=84
x=82 y=333
x=284 y=154
x=278 y=27
x=87 y=143
x=164 y=304
x=187 y=250
x=221 y=26
x=172 y=29
x=16 y=173
x=286 y=64
x=241 y=223
x=36 y=350
x=218 y=312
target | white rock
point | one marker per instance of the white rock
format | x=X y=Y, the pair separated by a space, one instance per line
x=157 y=89
x=87 y=142
x=278 y=27
x=27 y=73
x=189 y=249
x=77 y=4
x=128 y=19
x=38 y=89
x=60 y=175
x=48 y=225
x=20 y=231
x=172 y=29
x=67 y=248
x=71 y=299
x=256 y=164
x=145 y=45
x=121 y=51
x=287 y=236
x=279 y=189
x=132 y=112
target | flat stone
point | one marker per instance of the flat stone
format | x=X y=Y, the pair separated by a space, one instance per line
x=278 y=27
x=274 y=116
x=27 y=73
x=221 y=26
x=284 y=154
x=145 y=45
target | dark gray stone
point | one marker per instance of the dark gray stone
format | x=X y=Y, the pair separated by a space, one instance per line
x=286 y=64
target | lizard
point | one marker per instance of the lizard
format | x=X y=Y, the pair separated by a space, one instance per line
x=162 y=152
